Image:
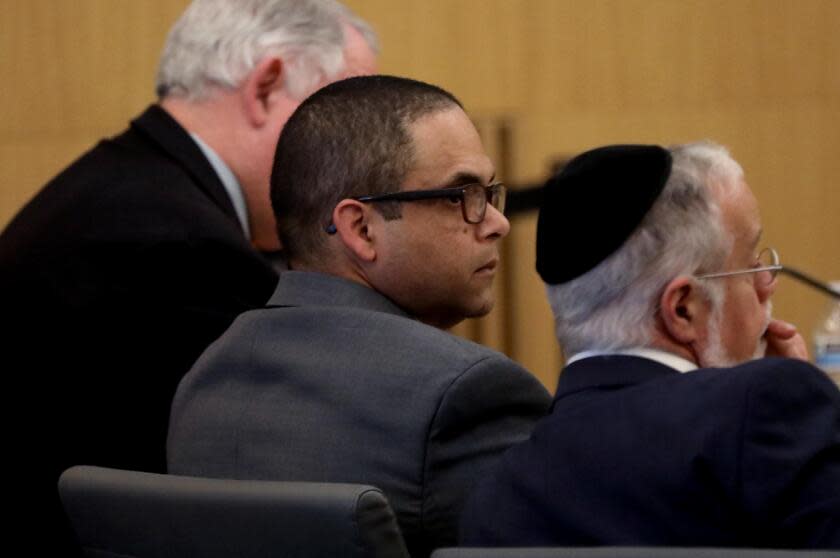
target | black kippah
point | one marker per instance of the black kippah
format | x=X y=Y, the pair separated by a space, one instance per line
x=593 y=206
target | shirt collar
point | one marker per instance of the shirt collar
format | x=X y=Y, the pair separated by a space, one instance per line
x=229 y=181
x=310 y=288
x=668 y=359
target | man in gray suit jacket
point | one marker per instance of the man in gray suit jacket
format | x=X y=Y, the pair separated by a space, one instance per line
x=390 y=217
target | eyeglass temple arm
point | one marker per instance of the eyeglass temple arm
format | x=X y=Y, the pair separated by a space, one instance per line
x=808 y=280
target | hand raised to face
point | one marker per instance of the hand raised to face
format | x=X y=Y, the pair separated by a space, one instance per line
x=784 y=340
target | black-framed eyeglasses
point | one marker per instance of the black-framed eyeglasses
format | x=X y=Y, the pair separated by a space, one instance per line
x=473 y=198
x=767 y=268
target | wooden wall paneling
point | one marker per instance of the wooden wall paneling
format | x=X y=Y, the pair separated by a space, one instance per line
x=532 y=326
x=78 y=71
x=471 y=47
x=792 y=166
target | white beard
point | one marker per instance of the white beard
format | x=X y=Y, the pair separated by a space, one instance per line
x=716 y=355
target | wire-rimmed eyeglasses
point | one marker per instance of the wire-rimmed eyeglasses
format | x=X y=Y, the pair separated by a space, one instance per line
x=473 y=198
x=767 y=268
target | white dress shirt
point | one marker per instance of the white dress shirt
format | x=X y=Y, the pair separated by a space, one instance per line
x=668 y=359
x=229 y=181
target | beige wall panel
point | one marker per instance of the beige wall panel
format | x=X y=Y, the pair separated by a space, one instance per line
x=632 y=54
x=472 y=47
x=532 y=326
x=82 y=64
x=75 y=71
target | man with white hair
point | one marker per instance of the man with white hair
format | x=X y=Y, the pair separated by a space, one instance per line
x=669 y=427
x=137 y=256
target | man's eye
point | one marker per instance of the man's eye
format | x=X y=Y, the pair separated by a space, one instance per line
x=454 y=199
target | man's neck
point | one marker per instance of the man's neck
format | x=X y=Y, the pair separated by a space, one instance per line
x=215 y=120
x=661 y=340
x=211 y=119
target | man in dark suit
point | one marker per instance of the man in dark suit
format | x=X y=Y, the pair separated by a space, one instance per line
x=669 y=426
x=391 y=230
x=137 y=256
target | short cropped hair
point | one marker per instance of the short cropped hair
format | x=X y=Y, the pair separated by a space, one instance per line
x=349 y=139
x=614 y=305
x=217 y=43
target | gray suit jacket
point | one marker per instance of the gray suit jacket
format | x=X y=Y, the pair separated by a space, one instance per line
x=333 y=382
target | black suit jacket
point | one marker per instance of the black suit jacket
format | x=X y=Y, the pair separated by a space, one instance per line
x=635 y=453
x=113 y=279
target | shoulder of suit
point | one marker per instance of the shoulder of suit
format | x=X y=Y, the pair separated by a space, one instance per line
x=443 y=341
x=782 y=368
x=402 y=335
x=784 y=378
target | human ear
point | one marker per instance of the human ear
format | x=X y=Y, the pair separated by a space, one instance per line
x=352 y=225
x=259 y=87
x=683 y=309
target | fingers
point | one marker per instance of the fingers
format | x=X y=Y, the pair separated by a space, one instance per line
x=784 y=340
x=781 y=329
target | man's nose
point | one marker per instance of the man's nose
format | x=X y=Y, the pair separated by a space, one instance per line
x=495 y=224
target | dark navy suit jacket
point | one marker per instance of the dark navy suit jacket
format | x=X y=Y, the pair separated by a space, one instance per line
x=113 y=279
x=635 y=453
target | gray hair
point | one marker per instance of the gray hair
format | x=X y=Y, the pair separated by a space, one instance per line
x=217 y=43
x=614 y=305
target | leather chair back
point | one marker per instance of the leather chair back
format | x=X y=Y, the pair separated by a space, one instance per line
x=123 y=514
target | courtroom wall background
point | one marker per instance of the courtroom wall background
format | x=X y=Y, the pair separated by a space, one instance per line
x=760 y=76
